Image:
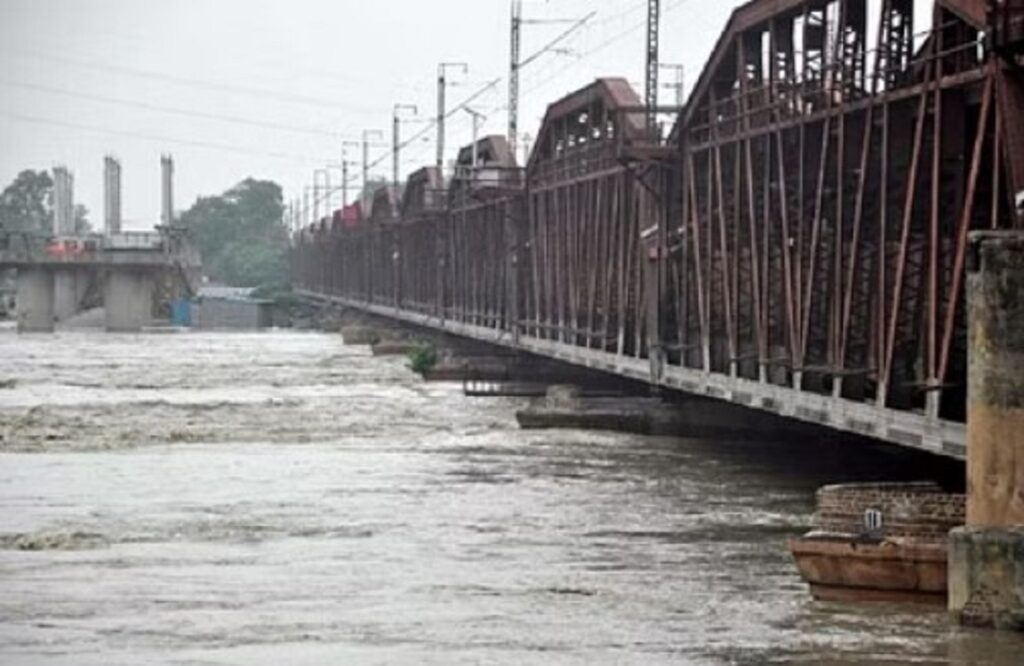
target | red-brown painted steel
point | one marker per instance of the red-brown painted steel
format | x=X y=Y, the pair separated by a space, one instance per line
x=805 y=226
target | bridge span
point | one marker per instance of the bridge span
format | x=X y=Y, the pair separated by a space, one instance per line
x=796 y=243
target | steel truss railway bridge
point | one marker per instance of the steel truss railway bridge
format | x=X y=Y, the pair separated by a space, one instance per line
x=796 y=245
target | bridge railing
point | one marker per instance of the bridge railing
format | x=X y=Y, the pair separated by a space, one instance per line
x=135 y=240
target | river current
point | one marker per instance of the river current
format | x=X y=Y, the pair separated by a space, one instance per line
x=281 y=498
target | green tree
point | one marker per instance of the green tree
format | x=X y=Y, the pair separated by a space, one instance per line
x=241 y=234
x=250 y=264
x=26 y=204
x=83 y=226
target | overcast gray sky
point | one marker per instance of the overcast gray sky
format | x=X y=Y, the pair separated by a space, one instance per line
x=238 y=88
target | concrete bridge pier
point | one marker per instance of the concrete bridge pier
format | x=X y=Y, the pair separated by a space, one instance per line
x=35 y=300
x=986 y=558
x=128 y=299
x=69 y=288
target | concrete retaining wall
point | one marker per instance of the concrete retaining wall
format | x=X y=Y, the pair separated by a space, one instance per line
x=221 y=313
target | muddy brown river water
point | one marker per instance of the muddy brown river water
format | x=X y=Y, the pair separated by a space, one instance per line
x=280 y=498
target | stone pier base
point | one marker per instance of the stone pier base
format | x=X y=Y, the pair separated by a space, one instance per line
x=394 y=348
x=360 y=335
x=986 y=577
x=68 y=290
x=35 y=300
x=128 y=300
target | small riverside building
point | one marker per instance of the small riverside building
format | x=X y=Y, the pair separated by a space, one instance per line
x=230 y=308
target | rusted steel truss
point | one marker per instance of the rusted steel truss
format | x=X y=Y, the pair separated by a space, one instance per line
x=829 y=192
x=801 y=237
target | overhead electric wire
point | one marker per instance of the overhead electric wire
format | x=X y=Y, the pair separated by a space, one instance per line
x=152 y=137
x=283 y=96
x=557 y=40
x=476 y=95
x=198 y=83
x=173 y=110
x=276 y=59
x=605 y=20
x=600 y=47
x=407 y=142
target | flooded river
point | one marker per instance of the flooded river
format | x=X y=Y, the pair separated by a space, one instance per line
x=280 y=498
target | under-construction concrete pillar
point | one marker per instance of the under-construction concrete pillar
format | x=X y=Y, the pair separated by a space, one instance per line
x=35 y=300
x=166 y=190
x=986 y=558
x=63 y=202
x=111 y=196
x=128 y=300
x=58 y=201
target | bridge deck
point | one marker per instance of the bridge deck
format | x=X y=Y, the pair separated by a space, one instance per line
x=142 y=259
x=910 y=429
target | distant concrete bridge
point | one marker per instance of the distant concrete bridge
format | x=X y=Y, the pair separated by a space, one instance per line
x=798 y=245
x=56 y=276
x=60 y=271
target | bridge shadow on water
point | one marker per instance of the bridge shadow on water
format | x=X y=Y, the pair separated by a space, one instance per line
x=796 y=455
x=810 y=456
x=780 y=450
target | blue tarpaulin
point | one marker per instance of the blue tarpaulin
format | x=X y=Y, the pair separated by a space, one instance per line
x=181 y=313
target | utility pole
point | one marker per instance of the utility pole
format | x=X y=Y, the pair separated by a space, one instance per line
x=344 y=185
x=367 y=134
x=328 y=194
x=305 y=206
x=526 y=147
x=314 y=213
x=513 y=75
x=477 y=119
x=336 y=166
x=325 y=198
x=344 y=170
x=679 y=85
x=316 y=194
x=517 y=63
x=653 y=21
x=442 y=83
x=396 y=141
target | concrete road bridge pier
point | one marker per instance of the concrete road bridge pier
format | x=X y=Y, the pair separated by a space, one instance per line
x=125 y=272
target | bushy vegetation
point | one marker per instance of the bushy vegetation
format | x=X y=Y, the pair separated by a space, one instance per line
x=241 y=235
x=422 y=359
